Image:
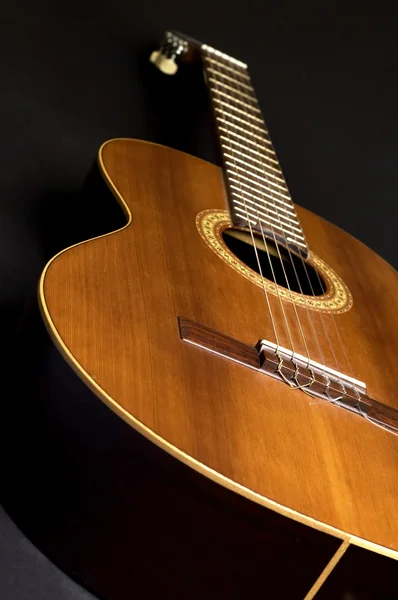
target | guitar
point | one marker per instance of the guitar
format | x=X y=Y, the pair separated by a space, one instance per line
x=247 y=338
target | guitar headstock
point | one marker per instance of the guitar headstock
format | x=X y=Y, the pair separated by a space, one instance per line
x=174 y=48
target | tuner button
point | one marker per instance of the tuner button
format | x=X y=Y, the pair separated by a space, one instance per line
x=166 y=65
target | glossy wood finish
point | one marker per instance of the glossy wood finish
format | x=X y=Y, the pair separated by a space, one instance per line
x=213 y=341
x=297 y=375
x=126 y=519
x=112 y=305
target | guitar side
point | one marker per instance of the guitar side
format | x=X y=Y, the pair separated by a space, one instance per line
x=112 y=305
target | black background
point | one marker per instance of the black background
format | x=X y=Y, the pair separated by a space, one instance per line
x=76 y=74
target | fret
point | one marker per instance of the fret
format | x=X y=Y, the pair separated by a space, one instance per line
x=252 y=134
x=231 y=99
x=302 y=244
x=234 y=90
x=267 y=215
x=231 y=177
x=254 y=220
x=258 y=199
x=266 y=179
x=255 y=179
x=267 y=149
x=267 y=165
x=246 y=218
x=257 y=189
x=260 y=162
x=242 y=112
x=252 y=199
x=223 y=56
x=262 y=138
x=249 y=126
x=244 y=85
x=227 y=67
x=274 y=229
x=256 y=152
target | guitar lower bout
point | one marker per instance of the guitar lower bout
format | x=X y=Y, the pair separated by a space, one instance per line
x=111 y=305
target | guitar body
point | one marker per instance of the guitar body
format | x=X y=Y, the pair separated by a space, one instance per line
x=112 y=306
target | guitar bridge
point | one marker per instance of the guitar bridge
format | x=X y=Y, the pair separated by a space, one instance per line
x=267 y=350
x=295 y=370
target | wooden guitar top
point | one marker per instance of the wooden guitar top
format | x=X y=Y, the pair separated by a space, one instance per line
x=112 y=306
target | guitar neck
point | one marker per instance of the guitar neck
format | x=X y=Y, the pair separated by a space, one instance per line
x=258 y=195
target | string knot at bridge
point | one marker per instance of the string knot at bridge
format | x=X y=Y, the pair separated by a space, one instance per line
x=295 y=370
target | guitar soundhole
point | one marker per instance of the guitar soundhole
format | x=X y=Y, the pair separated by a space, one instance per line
x=289 y=270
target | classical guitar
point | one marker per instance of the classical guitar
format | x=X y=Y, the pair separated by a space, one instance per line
x=244 y=336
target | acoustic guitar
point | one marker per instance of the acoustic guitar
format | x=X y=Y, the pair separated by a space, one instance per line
x=253 y=345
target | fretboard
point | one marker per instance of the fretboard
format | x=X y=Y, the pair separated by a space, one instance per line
x=257 y=192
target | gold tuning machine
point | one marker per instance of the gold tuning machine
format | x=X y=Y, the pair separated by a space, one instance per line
x=172 y=48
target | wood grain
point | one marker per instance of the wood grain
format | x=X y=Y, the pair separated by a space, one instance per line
x=293 y=374
x=222 y=345
x=112 y=305
x=126 y=519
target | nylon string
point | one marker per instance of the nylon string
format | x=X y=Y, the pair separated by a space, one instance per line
x=249 y=177
x=249 y=221
x=257 y=257
x=282 y=227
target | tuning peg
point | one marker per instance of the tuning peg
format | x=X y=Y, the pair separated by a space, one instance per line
x=173 y=47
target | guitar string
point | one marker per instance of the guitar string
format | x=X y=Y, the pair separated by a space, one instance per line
x=220 y=64
x=325 y=329
x=280 y=259
x=205 y=51
x=282 y=226
x=335 y=359
x=265 y=207
x=307 y=275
